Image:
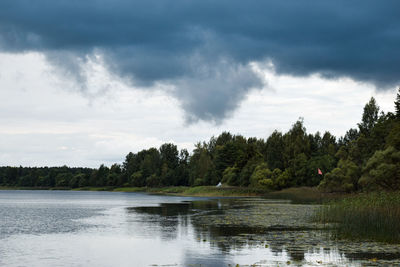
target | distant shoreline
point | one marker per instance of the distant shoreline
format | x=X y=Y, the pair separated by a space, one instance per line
x=296 y=194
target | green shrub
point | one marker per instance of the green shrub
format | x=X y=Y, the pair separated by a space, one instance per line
x=382 y=170
x=344 y=178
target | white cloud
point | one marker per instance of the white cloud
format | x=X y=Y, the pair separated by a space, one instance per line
x=45 y=120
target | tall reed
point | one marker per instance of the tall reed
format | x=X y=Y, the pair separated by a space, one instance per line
x=372 y=216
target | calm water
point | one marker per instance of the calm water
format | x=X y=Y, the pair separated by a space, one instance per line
x=66 y=228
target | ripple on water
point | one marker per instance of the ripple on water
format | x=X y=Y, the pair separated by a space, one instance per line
x=96 y=229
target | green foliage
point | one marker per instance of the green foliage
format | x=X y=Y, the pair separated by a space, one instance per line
x=274 y=150
x=200 y=165
x=393 y=137
x=74 y=182
x=298 y=166
x=169 y=155
x=280 y=161
x=374 y=150
x=369 y=117
x=382 y=170
x=397 y=104
x=350 y=136
x=231 y=176
x=114 y=176
x=296 y=141
x=344 y=178
x=282 y=178
x=260 y=172
x=198 y=182
x=248 y=169
x=264 y=178
x=83 y=180
x=153 y=181
x=225 y=156
x=62 y=179
x=328 y=144
x=137 y=179
x=325 y=163
x=268 y=183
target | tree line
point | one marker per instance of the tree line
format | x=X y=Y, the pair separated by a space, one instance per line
x=365 y=158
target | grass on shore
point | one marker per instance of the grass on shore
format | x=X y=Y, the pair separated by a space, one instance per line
x=296 y=195
x=206 y=191
x=173 y=190
x=372 y=216
x=33 y=188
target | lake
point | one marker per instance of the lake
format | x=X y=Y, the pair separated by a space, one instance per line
x=81 y=228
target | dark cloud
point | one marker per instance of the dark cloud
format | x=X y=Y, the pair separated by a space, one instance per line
x=204 y=48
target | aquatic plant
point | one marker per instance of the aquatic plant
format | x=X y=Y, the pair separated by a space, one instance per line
x=371 y=216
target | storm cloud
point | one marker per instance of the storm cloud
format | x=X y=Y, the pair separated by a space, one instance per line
x=204 y=49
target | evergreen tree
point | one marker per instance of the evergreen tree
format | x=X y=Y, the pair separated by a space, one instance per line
x=397 y=104
x=273 y=152
x=369 y=117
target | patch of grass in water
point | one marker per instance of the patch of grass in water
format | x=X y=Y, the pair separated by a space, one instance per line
x=303 y=195
x=372 y=216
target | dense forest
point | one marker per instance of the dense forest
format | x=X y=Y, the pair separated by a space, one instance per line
x=365 y=158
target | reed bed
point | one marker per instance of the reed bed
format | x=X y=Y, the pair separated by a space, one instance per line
x=372 y=216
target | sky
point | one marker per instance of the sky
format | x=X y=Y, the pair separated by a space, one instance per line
x=84 y=83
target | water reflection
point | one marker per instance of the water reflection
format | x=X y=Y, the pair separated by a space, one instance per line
x=117 y=229
x=224 y=235
x=233 y=225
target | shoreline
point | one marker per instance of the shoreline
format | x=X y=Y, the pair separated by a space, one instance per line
x=295 y=194
x=171 y=190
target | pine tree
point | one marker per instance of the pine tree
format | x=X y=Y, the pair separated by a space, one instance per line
x=369 y=117
x=397 y=104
